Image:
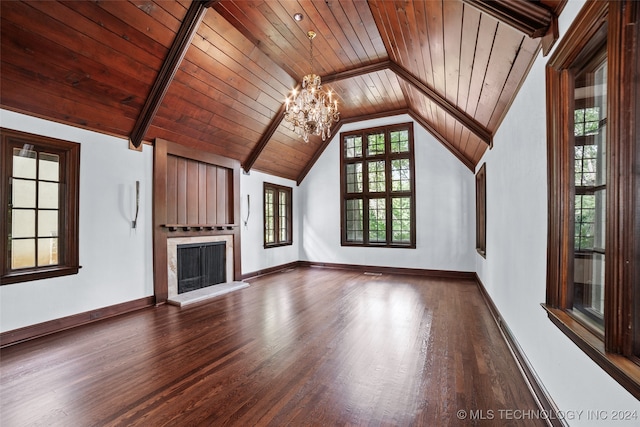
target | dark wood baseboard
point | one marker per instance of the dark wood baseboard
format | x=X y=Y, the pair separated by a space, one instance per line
x=446 y=274
x=545 y=402
x=52 y=326
x=271 y=270
x=458 y=275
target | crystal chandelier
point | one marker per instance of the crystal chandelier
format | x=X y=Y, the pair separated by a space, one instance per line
x=312 y=111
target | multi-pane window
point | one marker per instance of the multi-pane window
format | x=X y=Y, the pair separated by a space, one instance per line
x=35 y=208
x=378 y=190
x=590 y=124
x=593 y=277
x=40 y=187
x=277 y=215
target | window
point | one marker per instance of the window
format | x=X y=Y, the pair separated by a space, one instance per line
x=378 y=187
x=481 y=211
x=277 y=215
x=589 y=147
x=40 y=189
x=593 y=273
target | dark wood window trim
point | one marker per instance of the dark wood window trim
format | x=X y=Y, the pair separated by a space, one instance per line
x=616 y=346
x=481 y=211
x=367 y=194
x=280 y=224
x=69 y=179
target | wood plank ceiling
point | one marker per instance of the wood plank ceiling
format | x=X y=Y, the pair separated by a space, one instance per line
x=454 y=66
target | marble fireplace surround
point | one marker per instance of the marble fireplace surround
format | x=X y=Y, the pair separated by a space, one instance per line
x=172 y=257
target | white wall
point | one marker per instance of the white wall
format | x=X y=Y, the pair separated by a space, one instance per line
x=445 y=209
x=116 y=260
x=254 y=256
x=514 y=271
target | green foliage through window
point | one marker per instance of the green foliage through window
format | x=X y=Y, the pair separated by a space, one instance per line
x=376 y=176
x=277 y=215
x=375 y=144
x=586 y=121
x=399 y=141
x=378 y=194
x=353 y=147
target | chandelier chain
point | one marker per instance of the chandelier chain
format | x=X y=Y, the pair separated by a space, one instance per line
x=311 y=53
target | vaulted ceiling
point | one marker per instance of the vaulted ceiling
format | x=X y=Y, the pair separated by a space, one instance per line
x=213 y=75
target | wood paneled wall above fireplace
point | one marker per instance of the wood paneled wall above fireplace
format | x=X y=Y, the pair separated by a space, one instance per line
x=195 y=193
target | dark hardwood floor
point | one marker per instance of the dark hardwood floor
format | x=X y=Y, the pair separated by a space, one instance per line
x=310 y=346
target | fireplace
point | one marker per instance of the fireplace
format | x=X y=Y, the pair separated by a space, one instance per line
x=195 y=261
x=201 y=265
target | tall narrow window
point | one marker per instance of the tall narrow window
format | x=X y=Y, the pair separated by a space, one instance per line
x=589 y=187
x=378 y=190
x=277 y=215
x=40 y=187
x=593 y=97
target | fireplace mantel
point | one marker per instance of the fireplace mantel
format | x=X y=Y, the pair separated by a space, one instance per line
x=198 y=227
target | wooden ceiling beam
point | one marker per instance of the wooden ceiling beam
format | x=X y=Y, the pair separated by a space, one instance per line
x=357 y=72
x=437 y=135
x=165 y=76
x=264 y=139
x=336 y=129
x=469 y=122
x=529 y=17
x=415 y=116
x=277 y=119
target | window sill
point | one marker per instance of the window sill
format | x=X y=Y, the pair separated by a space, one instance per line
x=621 y=368
x=380 y=245
x=30 y=275
x=277 y=245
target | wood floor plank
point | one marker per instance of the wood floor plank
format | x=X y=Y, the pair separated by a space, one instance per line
x=309 y=346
